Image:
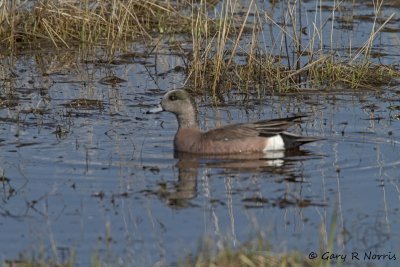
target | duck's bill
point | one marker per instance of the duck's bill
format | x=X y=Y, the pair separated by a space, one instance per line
x=155 y=110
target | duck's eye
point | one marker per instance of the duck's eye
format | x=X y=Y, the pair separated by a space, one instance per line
x=173 y=97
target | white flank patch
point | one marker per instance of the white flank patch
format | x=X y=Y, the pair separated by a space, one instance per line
x=274 y=143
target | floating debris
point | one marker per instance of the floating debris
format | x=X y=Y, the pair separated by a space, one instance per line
x=99 y=194
x=112 y=80
x=83 y=103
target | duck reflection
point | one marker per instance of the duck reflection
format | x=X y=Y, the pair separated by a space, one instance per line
x=282 y=163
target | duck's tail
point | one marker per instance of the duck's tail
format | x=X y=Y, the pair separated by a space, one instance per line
x=292 y=140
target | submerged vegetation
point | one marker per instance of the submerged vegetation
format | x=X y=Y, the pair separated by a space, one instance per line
x=229 y=45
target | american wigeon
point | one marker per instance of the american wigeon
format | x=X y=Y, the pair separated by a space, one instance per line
x=261 y=136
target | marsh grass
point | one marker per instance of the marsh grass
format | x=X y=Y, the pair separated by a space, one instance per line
x=104 y=23
x=222 y=60
x=256 y=253
x=228 y=48
x=252 y=253
x=40 y=259
x=248 y=255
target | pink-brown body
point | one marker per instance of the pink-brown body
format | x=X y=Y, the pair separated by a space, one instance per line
x=194 y=141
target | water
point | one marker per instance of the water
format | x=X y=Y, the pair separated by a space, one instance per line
x=102 y=179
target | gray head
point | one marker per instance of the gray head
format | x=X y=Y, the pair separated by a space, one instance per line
x=177 y=102
x=181 y=104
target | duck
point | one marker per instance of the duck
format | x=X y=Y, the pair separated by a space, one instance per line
x=262 y=136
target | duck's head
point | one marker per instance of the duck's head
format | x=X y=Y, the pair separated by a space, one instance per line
x=175 y=101
x=181 y=104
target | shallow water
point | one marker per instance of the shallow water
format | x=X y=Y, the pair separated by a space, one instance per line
x=101 y=178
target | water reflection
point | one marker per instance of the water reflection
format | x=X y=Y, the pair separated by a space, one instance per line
x=282 y=163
